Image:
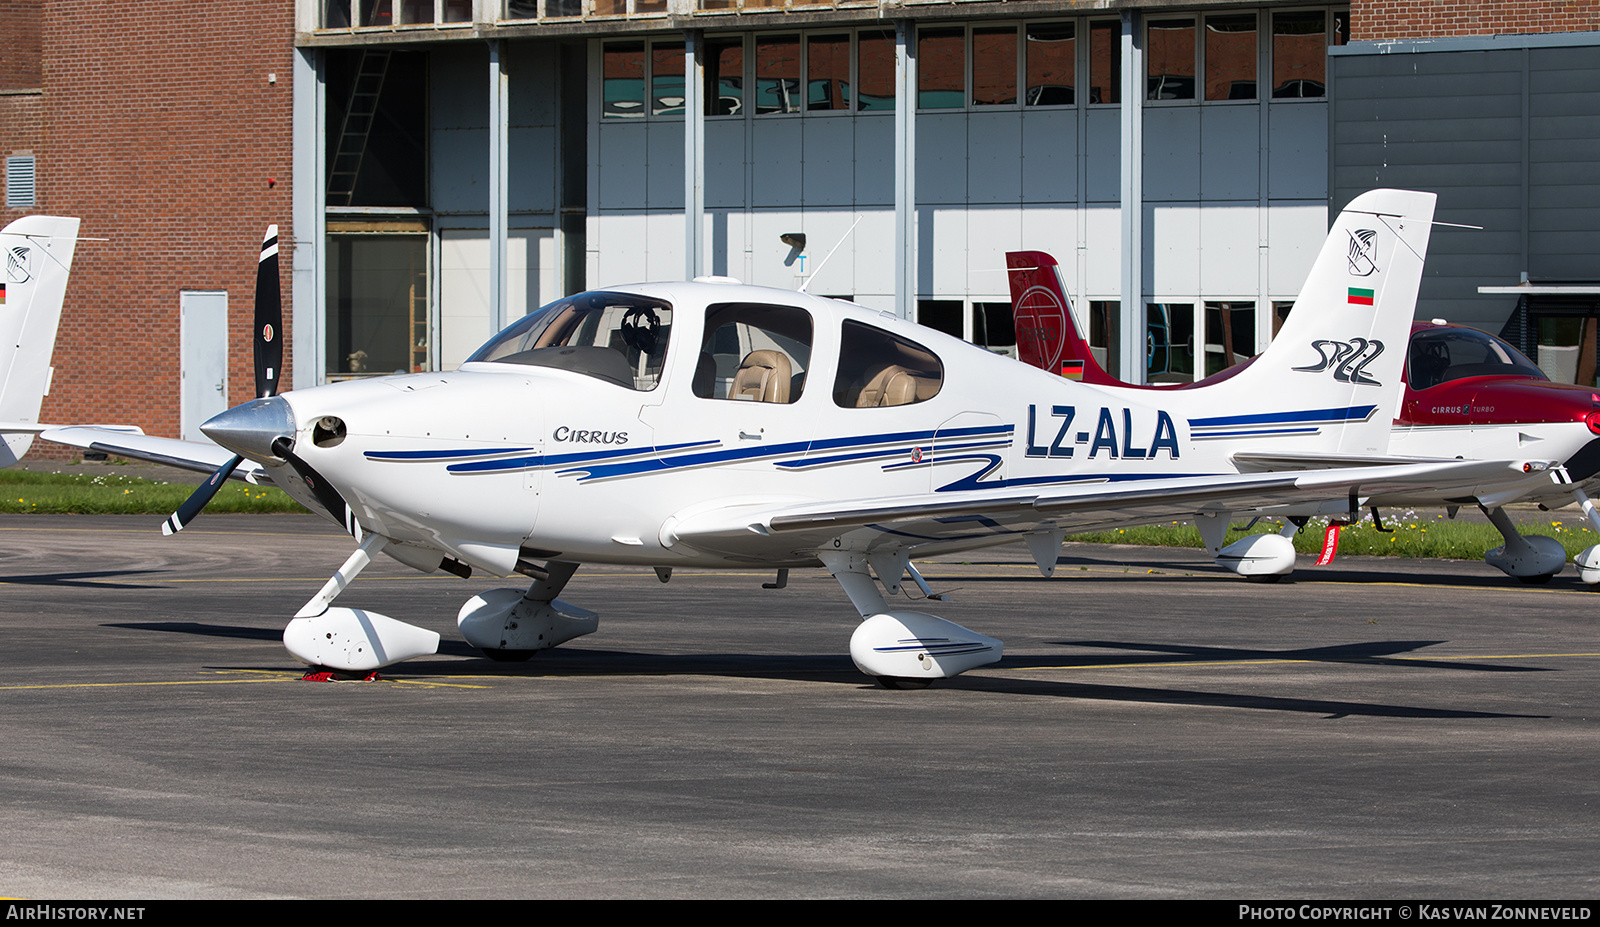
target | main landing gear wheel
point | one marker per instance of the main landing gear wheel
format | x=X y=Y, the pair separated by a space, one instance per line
x=1265 y=577
x=508 y=656
x=1539 y=580
x=903 y=683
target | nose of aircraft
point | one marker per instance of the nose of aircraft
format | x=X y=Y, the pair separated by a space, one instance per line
x=250 y=429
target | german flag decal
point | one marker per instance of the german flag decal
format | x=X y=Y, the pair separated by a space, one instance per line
x=1360 y=296
x=1072 y=369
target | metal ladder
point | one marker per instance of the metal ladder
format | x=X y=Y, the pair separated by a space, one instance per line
x=357 y=127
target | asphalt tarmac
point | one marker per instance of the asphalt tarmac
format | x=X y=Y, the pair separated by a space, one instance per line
x=1376 y=729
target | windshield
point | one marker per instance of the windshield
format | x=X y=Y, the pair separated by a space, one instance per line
x=1439 y=355
x=616 y=337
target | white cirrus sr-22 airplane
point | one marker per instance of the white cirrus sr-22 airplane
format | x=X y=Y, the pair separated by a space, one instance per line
x=708 y=424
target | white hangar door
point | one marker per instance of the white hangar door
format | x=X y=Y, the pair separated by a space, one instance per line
x=203 y=333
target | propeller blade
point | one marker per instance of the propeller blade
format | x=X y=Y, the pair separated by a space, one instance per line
x=321 y=488
x=269 y=364
x=191 y=506
x=269 y=318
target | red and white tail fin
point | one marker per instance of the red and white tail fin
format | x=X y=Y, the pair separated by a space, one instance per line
x=35 y=257
x=1047 y=337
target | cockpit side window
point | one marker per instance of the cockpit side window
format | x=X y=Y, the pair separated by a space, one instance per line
x=1441 y=355
x=617 y=337
x=880 y=369
x=755 y=352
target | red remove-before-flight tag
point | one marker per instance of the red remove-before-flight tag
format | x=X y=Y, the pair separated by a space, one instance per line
x=1330 y=545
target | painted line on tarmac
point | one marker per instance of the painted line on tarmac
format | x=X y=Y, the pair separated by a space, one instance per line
x=239 y=676
x=1184 y=664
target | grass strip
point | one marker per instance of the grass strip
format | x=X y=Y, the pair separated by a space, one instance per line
x=24 y=491
x=1413 y=534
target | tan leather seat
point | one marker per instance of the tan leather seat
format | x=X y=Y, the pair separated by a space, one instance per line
x=891 y=386
x=763 y=376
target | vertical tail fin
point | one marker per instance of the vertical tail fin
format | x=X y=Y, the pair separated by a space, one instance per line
x=1047 y=337
x=36 y=254
x=1332 y=374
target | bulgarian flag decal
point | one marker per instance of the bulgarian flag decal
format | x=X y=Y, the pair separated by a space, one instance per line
x=1360 y=296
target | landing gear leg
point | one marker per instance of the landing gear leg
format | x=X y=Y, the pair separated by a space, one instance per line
x=1588 y=559
x=349 y=639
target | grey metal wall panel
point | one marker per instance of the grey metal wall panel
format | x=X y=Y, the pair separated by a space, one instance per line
x=1171 y=153
x=994 y=157
x=874 y=167
x=458 y=121
x=1050 y=156
x=941 y=158
x=1508 y=137
x=725 y=163
x=622 y=169
x=829 y=166
x=775 y=161
x=1297 y=151
x=1230 y=153
x=1103 y=151
x=532 y=181
x=664 y=166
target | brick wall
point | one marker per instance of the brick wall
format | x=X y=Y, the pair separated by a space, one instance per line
x=162 y=131
x=1375 y=20
x=21 y=109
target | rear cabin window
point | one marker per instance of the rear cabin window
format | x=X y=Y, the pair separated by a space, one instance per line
x=616 y=337
x=1440 y=355
x=754 y=352
x=879 y=369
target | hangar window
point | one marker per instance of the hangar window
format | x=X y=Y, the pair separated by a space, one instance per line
x=875 y=70
x=1299 y=55
x=1231 y=57
x=777 y=74
x=337 y=14
x=994 y=65
x=1170 y=58
x=828 y=72
x=941 y=68
x=754 y=352
x=879 y=369
x=725 y=76
x=617 y=337
x=378 y=308
x=1052 y=61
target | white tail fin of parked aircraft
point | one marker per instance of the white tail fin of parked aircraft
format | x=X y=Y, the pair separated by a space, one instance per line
x=36 y=252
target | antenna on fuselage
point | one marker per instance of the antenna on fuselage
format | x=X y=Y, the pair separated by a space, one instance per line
x=852 y=228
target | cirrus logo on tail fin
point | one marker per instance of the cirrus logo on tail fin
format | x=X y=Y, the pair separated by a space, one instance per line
x=1362 y=263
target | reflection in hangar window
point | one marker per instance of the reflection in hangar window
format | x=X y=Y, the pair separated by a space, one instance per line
x=754 y=352
x=880 y=369
x=1443 y=354
x=616 y=337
